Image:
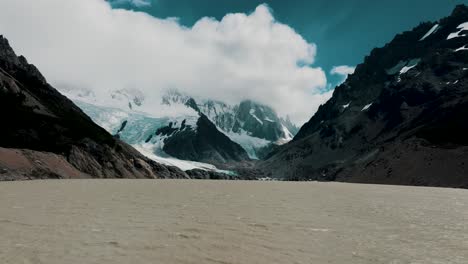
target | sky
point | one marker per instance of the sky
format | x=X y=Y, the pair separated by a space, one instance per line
x=345 y=31
x=286 y=54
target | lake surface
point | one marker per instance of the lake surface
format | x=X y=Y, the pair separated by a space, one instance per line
x=178 y=221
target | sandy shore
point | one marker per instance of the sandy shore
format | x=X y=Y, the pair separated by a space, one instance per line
x=175 y=221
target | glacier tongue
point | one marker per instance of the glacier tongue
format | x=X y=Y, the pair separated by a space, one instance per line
x=251 y=144
x=148 y=150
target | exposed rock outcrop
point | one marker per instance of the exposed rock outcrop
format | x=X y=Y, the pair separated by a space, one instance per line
x=201 y=142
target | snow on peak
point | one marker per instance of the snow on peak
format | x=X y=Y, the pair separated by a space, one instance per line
x=461 y=27
x=430 y=32
x=346 y=105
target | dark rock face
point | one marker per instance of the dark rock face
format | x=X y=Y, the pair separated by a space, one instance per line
x=204 y=143
x=38 y=118
x=260 y=121
x=209 y=175
x=399 y=119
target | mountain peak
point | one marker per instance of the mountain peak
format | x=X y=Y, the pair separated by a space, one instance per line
x=9 y=60
x=460 y=10
x=6 y=51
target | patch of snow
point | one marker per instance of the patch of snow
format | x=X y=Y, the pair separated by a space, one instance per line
x=455 y=82
x=406 y=69
x=465 y=69
x=269 y=120
x=461 y=28
x=410 y=65
x=397 y=68
x=346 y=105
x=287 y=134
x=430 y=32
x=461 y=48
x=252 y=113
x=403 y=67
x=366 y=107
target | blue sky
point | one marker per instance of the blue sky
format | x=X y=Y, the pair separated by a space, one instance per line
x=344 y=30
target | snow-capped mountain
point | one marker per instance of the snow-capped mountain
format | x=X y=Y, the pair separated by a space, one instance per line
x=195 y=130
x=257 y=128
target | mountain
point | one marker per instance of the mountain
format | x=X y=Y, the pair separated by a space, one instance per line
x=45 y=135
x=399 y=119
x=183 y=134
x=256 y=127
x=200 y=141
x=188 y=130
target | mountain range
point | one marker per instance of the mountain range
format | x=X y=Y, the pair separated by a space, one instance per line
x=207 y=131
x=398 y=119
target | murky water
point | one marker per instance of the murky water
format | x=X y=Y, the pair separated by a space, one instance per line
x=143 y=221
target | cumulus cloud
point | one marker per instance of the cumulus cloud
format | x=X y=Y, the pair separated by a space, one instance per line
x=136 y=3
x=343 y=71
x=86 y=43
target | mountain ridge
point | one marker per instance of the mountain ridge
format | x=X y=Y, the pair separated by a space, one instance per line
x=397 y=120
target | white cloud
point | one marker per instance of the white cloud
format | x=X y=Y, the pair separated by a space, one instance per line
x=137 y=3
x=343 y=71
x=86 y=43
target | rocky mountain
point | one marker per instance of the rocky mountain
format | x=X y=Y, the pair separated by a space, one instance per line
x=200 y=141
x=256 y=127
x=45 y=135
x=399 y=119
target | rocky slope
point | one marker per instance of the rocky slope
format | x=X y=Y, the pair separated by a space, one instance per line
x=200 y=141
x=45 y=135
x=399 y=119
